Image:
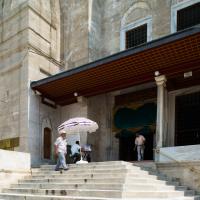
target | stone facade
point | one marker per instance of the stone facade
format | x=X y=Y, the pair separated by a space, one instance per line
x=14 y=161
x=186 y=171
x=41 y=38
x=30 y=46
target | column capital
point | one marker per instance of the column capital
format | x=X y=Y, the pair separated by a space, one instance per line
x=161 y=80
x=82 y=100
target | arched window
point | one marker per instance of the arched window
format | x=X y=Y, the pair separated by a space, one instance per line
x=47 y=143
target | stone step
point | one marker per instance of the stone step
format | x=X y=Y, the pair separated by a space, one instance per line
x=97 y=193
x=153 y=194
x=7 y=196
x=95 y=175
x=51 y=167
x=116 y=171
x=181 y=188
x=99 y=180
x=102 y=172
x=190 y=193
x=67 y=192
x=84 y=174
x=93 y=181
x=106 y=163
x=163 y=175
x=110 y=169
x=132 y=187
x=74 y=166
x=90 y=175
x=68 y=175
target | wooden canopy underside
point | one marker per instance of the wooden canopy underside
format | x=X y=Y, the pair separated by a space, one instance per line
x=171 y=55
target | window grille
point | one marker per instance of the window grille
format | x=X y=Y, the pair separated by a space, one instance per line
x=136 y=36
x=189 y=16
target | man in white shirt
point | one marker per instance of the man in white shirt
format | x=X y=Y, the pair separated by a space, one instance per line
x=139 y=144
x=61 y=150
x=75 y=149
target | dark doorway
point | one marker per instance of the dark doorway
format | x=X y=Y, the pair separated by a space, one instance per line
x=126 y=149
x=47 y=143
x=148 y=152
x=187 y=120
x=127 y=143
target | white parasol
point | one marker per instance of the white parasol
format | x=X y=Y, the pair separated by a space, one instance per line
x=78 y=125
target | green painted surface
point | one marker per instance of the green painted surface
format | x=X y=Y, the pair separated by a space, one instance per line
x=129 y=121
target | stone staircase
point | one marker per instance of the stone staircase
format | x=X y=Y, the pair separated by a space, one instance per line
x=8 y=177
x=97 y=181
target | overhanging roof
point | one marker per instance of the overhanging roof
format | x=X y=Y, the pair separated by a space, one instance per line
x=170 y=55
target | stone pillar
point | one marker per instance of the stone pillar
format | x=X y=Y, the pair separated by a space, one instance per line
x=160 y=123
x=82 y=101
x=83 y=112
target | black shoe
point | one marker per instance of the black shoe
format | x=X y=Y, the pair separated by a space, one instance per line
x=65 y=169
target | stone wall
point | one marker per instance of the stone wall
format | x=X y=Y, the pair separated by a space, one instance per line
x=44 y=27
x=14 y=161
x=179 y=153
x=13 y=71
x=187 y=171
x=74 y=48
x=118 y=14
x=41 y=38
x=91 y=29
x=41 y=116
x=100 y=110
x=95 y=29
x=13 y=166
x=44 y=60
x=29 y=50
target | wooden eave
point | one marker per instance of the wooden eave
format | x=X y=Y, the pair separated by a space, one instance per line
x=171 y=55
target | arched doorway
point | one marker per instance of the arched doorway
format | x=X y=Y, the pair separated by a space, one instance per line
x=47 y=143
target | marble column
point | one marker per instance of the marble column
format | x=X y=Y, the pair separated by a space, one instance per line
x=161 y=98
x=83 y=112
x=83 y=101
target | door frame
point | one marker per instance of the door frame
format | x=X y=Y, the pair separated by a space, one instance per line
x=50 y=135
x=46 y=123
x=170 y=138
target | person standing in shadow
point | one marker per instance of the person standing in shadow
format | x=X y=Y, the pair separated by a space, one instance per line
x=139 y=145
